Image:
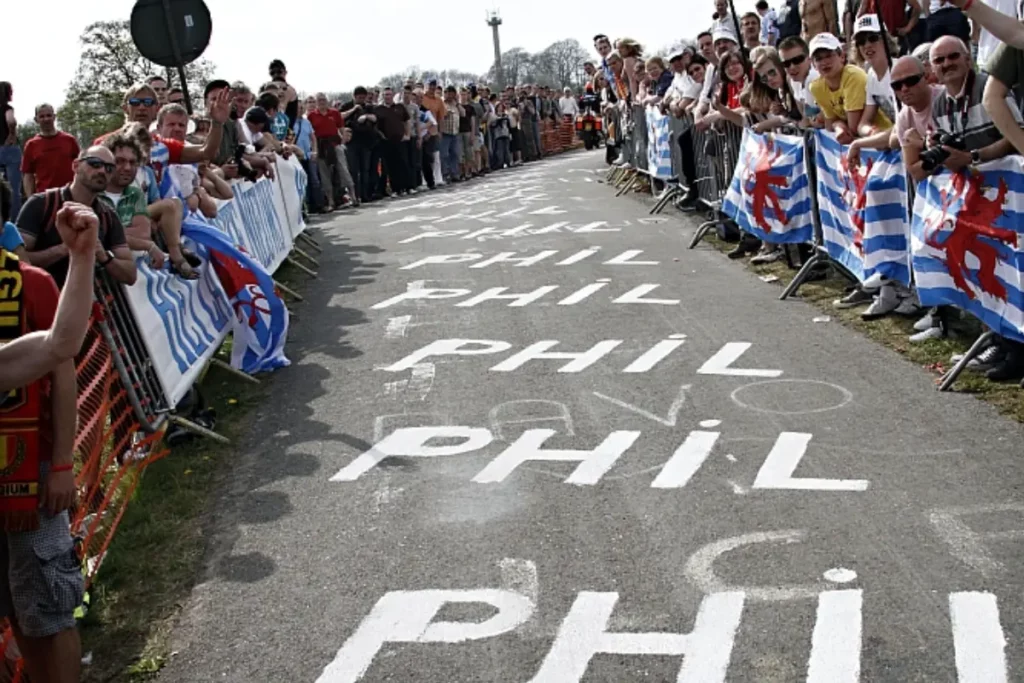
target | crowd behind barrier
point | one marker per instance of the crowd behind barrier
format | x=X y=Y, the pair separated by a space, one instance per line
x=197 y=214
x=785 y=167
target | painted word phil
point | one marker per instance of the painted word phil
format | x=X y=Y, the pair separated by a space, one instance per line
x=776 y=473
x=721 y=363
x=526 y=229
x=705 y=653
x=626 y=258
x=636 y=295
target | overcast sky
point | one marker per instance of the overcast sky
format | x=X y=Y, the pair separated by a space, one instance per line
x=332 y=45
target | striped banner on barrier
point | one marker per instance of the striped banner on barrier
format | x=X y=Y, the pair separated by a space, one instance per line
x=183 y=322
x=968 y=244
x=863 y=210
x=769 y=195
x=659 y=145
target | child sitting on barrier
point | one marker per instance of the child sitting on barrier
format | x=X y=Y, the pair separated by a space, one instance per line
x=166 y=214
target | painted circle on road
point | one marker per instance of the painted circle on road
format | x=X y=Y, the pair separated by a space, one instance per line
x=840 y=575
x=791 y=396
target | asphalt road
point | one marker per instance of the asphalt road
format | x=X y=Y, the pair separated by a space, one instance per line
x=720 y=489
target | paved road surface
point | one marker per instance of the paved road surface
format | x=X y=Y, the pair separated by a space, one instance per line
x=704 y=486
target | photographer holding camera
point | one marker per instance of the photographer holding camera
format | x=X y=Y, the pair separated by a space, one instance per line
x=964 y=134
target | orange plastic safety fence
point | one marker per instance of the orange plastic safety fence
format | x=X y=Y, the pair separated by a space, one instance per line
x=109 y=461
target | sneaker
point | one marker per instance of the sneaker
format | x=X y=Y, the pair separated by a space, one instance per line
x=770 y=253
x=930 y=333
x=876 y=281
x=885 y=303
x=929 y=320
x=857 y=297
x=987 y=359
x=908 y=307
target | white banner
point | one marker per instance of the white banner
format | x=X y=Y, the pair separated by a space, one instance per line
x=291 y=175
x=184 y=322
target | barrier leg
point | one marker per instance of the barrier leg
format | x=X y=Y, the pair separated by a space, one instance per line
x=190 y=426
x=305 y=256
x=670 y=194
x=304 y=269
x=976 y=348
x=627 y=174
x=237 y=373
x=310 y=241
x=290 y=292
x=702 y=231
x=801 y=275
x=629 y=184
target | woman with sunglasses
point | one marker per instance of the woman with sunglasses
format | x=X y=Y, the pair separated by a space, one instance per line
x=771 y=90
x=870 y=53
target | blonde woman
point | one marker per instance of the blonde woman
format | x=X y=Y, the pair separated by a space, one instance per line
x=631 y=53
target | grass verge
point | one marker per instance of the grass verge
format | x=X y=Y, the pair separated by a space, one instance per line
x=154 y=559
x=893 y=331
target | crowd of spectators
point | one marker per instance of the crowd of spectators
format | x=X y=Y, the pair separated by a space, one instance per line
x=888 y=74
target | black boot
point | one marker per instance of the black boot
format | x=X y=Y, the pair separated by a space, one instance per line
x=1012 y=366
x=748 y=245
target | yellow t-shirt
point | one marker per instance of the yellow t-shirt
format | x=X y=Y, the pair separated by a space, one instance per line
x=851 y=96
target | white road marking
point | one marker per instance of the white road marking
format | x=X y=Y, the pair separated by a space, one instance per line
x=978 y=640
x=397 y=326
x=836 y=640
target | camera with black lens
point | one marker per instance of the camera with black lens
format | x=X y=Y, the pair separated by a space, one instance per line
x=935 y=155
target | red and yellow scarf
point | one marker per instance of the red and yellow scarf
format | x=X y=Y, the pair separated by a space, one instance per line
x=20 y=413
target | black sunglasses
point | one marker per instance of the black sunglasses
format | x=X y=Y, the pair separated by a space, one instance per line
x=862 y=39
x=144 y=101
x=908 y=82
x=99 y=163
x=794 y=61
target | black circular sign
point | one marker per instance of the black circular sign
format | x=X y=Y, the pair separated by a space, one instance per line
x=189 y=21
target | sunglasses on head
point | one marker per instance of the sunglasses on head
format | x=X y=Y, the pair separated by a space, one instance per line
x=908 y=82
x=862 y=39
x=144 y=101
x=794 y=61
x=94 y=162
x=951 y=57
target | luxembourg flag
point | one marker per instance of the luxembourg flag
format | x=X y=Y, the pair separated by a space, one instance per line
x=968 y=243
x=261 y=318
x=659 y=145
x=769 y=195
x=863 y=210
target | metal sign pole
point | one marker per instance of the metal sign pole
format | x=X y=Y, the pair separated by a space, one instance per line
x=177 y=55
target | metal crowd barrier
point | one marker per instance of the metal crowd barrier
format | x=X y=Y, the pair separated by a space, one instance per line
x=718 y=147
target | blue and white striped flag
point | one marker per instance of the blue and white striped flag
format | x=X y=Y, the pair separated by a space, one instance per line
x=968 y=243
x=863 y=210
x=659 y=145
x=769 y=195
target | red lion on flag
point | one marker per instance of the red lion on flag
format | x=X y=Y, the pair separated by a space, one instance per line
x=974 y=220
x=760 y=180
x=237 y=279
x=856 y=197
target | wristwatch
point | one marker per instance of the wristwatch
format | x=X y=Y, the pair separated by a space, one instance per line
x=975 y=157
x=110 y=257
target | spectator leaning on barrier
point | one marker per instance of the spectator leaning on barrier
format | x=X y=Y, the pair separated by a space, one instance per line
x=42 y=582
x=724 y=42
x=46 y=161
x=128 y=200
x=796 y=61
x=1006 y=71
x=841 y=90
x=869 y=53
x=37 y=220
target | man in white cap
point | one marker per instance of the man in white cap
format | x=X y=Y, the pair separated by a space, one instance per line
x=724 y=41
x=842 y=89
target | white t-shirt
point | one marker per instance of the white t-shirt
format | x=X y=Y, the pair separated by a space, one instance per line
x=568 y=106
x=880 y=93
x=936 y=5
x=709 y=81
x=801 y=91
x=988 y=43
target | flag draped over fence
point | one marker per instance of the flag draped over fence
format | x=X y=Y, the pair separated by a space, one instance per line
x=863 y=210
x=659 y=145
x=769 y=195
x=968 y=243
x=261 y=318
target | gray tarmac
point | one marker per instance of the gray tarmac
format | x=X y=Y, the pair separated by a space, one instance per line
x=798 y=499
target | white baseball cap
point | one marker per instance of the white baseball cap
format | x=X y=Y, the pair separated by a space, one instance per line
x=867 y=23
x=723 y=34
x=824 y=41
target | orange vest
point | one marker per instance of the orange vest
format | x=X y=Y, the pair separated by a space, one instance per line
x=20 y=414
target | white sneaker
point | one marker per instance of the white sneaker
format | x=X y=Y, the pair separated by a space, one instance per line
x=885 y=303
x=908 y=307
x=874 y=282
x=930 y=333
x=927 y=322
x=769 y=254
